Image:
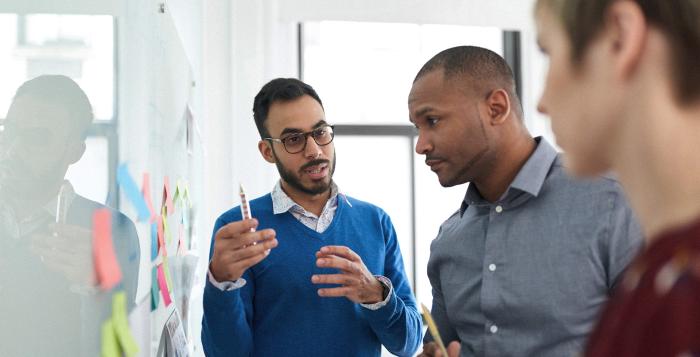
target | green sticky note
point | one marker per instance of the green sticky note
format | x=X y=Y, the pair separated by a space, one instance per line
x=121 y=325
x=110 y=346
x=166 y=230
x=166 y=270
x=155 y=298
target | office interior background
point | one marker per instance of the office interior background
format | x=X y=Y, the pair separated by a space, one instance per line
x=172 y=84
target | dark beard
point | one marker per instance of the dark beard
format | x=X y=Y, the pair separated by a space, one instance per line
x=294 y=182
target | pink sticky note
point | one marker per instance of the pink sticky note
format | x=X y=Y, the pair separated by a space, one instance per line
x=146 y=191
x=168 y=197
x=163 y=286
x=106 y=265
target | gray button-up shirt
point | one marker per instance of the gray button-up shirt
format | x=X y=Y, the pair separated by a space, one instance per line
x=527 y=275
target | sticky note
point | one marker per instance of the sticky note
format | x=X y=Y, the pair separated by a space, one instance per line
x=106 y=265
x=178 y=195
x=154 y=240
x=121 y=325
x=155 y=299
x=166 y=230
x=161 y=242
x=163 y=286
x=166 y=270
x=186 y=196
x=126 y=182
x=167 y=197
x=146 y=191
x=110 y=345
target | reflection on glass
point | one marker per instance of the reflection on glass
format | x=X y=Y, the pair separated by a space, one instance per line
x=47 y=270
x=90 y=175
x=78 y=46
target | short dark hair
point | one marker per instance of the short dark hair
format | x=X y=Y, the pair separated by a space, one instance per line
x=484 y=69
x=278 y=90
x=61 y=92
x=677 y=19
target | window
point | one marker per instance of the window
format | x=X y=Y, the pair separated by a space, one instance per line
x=82 y=48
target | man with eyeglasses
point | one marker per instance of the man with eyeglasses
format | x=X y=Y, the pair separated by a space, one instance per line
x=333 y=284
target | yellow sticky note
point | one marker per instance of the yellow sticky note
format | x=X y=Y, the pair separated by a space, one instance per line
x=166 y=230
x=166 y=270
x=110 y=346
x=433 y=329
x=121 y=325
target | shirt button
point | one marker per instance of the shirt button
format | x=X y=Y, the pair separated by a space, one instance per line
x=492 y=267
x=493 y=328
x=499 y=209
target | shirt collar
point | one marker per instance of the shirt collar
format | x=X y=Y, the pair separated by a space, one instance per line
x=282 y=203
x=68 y=196
x=529 y=179
x=532 y=175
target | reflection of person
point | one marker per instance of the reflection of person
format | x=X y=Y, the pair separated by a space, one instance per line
x=524 y=265
x=623 y=90
x=335 y=285
x=50 y=305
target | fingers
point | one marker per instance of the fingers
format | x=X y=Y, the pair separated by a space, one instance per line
x=237 y=235
x=340 y=279
x=251 y=250
x=255 y=259
x=336 y=292
x=429 y=350
x=233 y=256
x=453 y=349
x=332 y=261
x=340 y=251
x=235 y=229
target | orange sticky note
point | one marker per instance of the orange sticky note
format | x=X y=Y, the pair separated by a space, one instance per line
x=106 y=265
x=163 y=286
x=146 y=191
x=168 y=197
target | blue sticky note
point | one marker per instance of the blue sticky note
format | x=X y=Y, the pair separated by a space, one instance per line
x=154 y=241
x=127 y=183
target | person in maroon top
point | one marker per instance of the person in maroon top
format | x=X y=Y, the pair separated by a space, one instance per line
x=623 y=92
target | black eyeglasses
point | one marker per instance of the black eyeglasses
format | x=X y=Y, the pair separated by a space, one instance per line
x=296 y=142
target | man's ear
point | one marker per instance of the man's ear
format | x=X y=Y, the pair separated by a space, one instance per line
x=627 y=28
x=75 y=152
x=265 y=148
x=498 y=106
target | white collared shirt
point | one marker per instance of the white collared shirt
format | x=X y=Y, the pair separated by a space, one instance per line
x=16 y=228
x=282 y=203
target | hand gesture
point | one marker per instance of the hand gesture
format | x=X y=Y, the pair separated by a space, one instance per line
x=237 y=247
x=67 y=249
x=431 y=349
x=357 y=283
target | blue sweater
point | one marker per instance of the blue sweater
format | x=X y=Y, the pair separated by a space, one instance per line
x=279 y=313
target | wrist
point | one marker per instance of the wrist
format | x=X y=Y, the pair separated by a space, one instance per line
x=379 y=292
x=221 y=277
